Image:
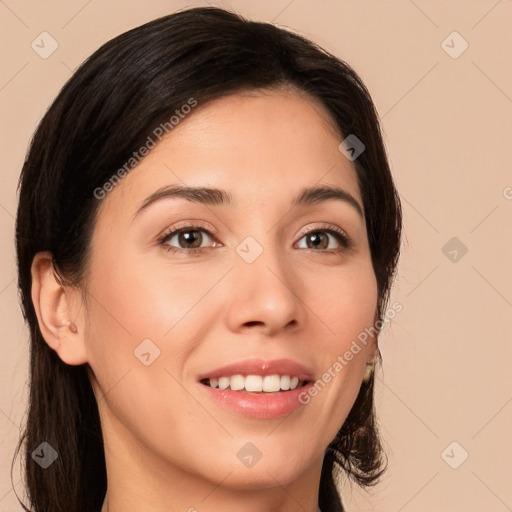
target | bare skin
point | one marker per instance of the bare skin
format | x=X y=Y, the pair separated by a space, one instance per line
x=168 y=445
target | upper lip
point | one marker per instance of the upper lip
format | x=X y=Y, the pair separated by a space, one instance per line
x=261 y=367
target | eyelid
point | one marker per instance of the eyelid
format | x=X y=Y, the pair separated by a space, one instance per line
x=188 y=224
x=323 y=226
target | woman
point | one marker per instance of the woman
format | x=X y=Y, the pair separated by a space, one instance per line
x=207 y=234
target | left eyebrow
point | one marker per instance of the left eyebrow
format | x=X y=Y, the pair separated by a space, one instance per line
x=319 y=194
x=215 y=196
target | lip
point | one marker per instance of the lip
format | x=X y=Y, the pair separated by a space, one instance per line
x=261 y=367
x=259 y=405
x=264 y=406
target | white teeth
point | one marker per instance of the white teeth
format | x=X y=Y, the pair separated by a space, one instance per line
x=271 y=383
x=237 y=382
x=224 y=383
x=256 y=383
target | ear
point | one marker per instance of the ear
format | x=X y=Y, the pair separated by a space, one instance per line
x=372 y=347
x=57 y=308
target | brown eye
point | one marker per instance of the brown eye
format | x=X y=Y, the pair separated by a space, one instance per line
x=325 y=240
x=188 y=239
x=317 y=240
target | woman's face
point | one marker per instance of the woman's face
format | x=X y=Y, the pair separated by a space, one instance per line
x=256 y=279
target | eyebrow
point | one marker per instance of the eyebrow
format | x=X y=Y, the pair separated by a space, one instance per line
x=215 y=196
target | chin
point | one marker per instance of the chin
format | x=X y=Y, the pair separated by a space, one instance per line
x=275 y=467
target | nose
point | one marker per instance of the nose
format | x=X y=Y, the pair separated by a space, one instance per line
x=264 y=295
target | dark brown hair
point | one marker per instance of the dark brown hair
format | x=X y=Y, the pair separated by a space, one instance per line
x=102 y=114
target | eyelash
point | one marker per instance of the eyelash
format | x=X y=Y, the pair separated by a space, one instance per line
x=345 y=241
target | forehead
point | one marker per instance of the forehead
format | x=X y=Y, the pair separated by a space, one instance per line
x=261 y=146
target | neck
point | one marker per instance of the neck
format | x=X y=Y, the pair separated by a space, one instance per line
x=139 y=479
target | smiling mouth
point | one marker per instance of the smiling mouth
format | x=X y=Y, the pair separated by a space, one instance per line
x=256 y=383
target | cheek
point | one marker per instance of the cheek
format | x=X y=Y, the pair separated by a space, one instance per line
x=130 y=303
x=347 y=307
x=135 y=302
x=131 y=314
x=345 y=301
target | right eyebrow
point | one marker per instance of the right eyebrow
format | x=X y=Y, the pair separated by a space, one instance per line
x=204 y=195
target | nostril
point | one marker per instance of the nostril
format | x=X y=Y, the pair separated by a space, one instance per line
x=254 y=322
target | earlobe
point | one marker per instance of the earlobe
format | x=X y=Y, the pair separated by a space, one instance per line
x=372 y=354
x=56 y=307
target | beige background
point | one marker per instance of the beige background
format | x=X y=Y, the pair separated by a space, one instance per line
x=448 y=125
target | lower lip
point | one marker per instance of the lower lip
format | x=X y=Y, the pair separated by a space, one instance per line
x=263 y=406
